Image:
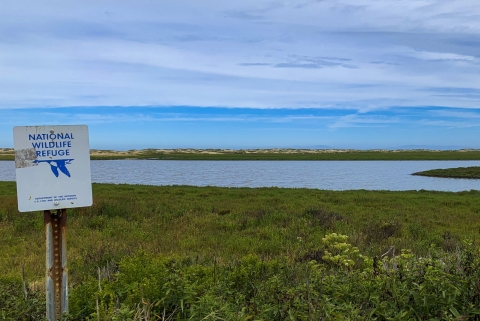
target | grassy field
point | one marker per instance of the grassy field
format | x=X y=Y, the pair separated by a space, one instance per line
x=280 y=154
x=208 y=253
x=472 y=172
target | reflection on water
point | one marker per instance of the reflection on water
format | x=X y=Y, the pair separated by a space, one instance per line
x=332 y=175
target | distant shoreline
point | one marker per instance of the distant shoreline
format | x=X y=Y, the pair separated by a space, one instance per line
x=275 y=154
x=472 y=172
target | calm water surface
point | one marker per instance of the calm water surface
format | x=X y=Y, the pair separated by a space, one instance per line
x=332 y=175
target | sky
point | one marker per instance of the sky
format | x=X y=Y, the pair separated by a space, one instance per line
x=360 y=74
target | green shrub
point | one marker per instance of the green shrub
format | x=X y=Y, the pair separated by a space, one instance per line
x=442 y=285
x=17 y=303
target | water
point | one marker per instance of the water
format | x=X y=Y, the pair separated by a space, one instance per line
x=331 y=175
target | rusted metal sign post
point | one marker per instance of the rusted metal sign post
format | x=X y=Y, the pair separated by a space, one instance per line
x=56 y=259
x=53 y=173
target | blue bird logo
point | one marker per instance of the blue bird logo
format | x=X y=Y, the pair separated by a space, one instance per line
x=57 y=164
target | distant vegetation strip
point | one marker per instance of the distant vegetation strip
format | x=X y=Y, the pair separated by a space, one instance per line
x=472 y=172
x=337 y=155
x=275 y=154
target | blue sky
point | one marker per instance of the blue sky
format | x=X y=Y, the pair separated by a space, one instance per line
x=245 y=74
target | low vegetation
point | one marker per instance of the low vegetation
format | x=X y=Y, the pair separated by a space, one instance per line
x=275 y=154
x=472 y=172
x=288 y=154
x=208 y=253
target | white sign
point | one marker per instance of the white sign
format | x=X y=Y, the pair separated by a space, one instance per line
x=52 y=167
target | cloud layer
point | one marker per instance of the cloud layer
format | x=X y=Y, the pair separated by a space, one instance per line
x=361 y=55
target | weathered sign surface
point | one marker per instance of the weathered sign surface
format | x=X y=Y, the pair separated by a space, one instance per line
x=52 y=167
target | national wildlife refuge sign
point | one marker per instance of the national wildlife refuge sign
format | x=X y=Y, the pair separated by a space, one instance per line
x=52 y=165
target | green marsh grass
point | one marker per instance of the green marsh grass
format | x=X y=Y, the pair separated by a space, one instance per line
x=285 y=155
x=232 y=222
x=348 y=155
x=240 y=253
x=472 y=172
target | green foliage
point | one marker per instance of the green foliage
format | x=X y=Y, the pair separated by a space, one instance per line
x=284 y=154
x=460 y=172
x=338 y=252
x=299 y=155
x=207 y=253
x=17 y=303
x=441 y=286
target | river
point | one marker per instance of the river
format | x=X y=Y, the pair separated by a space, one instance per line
x=330 y=175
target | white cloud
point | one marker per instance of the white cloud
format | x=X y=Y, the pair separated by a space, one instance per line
x=456 y=114
x=358 y=120
x=268 y=54
x=448 y=124
x=425 y=55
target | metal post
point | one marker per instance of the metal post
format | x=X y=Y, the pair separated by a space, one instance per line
x=56 y=264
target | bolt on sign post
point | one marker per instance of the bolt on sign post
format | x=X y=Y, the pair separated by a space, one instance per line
x=52 y=165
